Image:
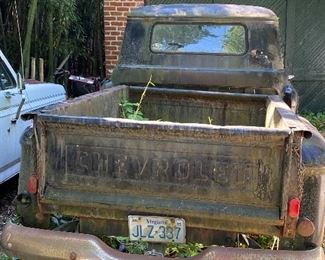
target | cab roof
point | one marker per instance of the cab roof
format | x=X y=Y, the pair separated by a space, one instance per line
x=220 y=11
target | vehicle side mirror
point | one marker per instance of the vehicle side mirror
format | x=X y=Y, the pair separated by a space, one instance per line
x=21 y=85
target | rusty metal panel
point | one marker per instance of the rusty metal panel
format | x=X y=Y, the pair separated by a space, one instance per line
x=215 y=177
x=194 y=170
x=191 y=107
x=210 y=179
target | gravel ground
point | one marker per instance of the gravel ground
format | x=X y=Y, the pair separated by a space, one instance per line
x=8 y=192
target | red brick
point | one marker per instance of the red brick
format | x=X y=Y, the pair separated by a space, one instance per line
x=122 y=9
x=111 y=57
x=117 y=23
x=117 y=33
x=115 y=52
x=109 y=28
x=112 y=38
x=115 y=3
x=110 y=18
x=109 y=8
x=115 y=13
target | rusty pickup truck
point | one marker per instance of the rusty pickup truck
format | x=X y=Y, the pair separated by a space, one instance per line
x=221 y=150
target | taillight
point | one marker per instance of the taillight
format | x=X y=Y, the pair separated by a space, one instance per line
x=305 y=227
x=294 y=208
x=32 y=184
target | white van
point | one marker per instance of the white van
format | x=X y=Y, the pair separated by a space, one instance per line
x=16 y=99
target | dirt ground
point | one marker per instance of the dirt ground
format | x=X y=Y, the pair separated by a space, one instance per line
x=8 y=192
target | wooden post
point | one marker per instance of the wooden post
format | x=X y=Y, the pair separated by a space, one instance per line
x=28 y=36
x=33 y=68
x=41 y=69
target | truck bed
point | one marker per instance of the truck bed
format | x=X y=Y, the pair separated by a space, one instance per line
x=221 y=161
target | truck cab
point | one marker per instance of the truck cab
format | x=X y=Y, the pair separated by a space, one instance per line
x=226 y=47
x=15 y=100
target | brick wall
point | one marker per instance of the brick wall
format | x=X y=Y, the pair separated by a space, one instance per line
x=115 y=12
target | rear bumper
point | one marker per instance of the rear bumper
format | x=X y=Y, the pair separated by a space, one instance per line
x=31 y=243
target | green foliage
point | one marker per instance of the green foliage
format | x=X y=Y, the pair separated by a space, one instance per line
x=183 y=250
x=265 y=242
x=132 y=110
x=140 y=247
x=316 y=119
x=5 y=257
x=129 y=110
x=77 y=28
x=125 y=245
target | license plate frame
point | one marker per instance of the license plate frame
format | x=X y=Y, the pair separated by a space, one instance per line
x=156 y=229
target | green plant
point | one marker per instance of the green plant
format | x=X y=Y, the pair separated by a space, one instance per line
x=183 y=250
x=124 y=244
x=266 y=242
x=316 y=119
x=5 y=257
x=131 y=110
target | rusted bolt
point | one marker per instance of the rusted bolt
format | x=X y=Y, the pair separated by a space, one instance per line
x=73 y=256
x=305 y=227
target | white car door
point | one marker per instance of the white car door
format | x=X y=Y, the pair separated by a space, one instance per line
x=10 y=130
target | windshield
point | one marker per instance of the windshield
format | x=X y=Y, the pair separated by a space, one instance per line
x=199 y=38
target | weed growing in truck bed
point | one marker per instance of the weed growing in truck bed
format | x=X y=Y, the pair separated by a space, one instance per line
x=128 y=110
x=131 y=110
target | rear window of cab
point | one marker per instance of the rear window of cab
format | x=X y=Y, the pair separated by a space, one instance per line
x=227 y=39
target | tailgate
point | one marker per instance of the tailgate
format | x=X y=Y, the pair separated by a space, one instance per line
x=225 y=178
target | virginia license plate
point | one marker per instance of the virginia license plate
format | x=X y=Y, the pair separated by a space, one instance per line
x=157 y=229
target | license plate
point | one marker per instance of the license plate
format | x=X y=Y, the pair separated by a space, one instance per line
x=157 y=229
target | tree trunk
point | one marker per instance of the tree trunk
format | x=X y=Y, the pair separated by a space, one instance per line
x=28 y=38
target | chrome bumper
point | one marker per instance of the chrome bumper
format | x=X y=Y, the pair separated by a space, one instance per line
x=31 y=243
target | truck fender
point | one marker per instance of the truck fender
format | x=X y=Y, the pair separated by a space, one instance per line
x=313 y=200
